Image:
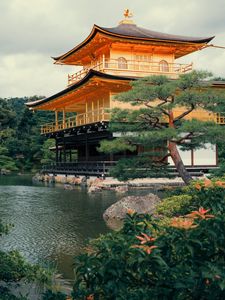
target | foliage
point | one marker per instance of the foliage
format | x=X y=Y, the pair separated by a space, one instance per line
x=6 y=162
x=14 y=269
x=138 y=167
x=221 y=154
x=21 y=145
x=172 y=206
x=136 y=263
x=159 y=125
x=50 y=295
x=207 y=193
x=47 y=156
x=4 y=228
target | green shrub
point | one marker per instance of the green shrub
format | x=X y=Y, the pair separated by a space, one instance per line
x=194 y=196
x=14 y=269
x=174 y=205
x=146 y=260
x=50 y=295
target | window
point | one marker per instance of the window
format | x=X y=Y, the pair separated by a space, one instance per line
x=122 y=63
x=142 y=58
x=163 y=66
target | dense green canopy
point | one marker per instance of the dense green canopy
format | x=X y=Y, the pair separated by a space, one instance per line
x=154 y=124
x=21 y=145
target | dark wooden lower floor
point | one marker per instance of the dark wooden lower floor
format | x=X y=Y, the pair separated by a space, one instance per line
x=102 y=168
x=76 y=153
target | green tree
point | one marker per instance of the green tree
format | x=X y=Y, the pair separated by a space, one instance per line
x=6 y=162
x=181 y=259
x=14 y=269
x=48 y=156
x=20 y=134
x=154 y=125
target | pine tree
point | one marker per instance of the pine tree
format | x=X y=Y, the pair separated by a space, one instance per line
x=162 y=121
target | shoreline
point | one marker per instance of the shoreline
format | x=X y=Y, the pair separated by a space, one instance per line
x=109 y=182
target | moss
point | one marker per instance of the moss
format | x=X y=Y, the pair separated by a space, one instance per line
x=173 y=206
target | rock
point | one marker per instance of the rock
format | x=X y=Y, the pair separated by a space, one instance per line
x=51 y=179
x=5 y=172
x=68 y=187
x=78 y=180
x=121 y=189
x=94 y=188
x=139 y=204
x=95 y=185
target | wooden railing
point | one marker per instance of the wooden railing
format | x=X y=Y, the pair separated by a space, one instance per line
x=96 y=168
x=220 y=118
x=97 y=115
x=132 y=67
x=103 y=114
x=204 y=116
x=102 y=168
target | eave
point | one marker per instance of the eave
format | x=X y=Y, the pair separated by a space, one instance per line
x=91 y=77
x=186 y=47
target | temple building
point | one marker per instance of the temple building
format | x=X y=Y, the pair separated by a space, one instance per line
x=109 y=58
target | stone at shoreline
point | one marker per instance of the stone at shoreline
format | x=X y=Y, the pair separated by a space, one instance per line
x=140 y=204
x=5 y=172
x=121 y=189
x=95 y=185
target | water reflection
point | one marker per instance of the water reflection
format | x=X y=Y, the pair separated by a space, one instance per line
x=51 y=224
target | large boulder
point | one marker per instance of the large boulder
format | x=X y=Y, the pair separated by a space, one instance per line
x=140 y=204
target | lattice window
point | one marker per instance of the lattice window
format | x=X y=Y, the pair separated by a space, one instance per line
x=122 y=63
x=163 y=66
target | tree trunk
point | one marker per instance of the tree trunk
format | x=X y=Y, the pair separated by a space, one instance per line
x=172 y=147
x=175 y=155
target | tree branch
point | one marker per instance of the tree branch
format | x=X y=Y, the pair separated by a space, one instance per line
x=185 y=113
x=152 y=120
x=163 y=158
x=186 y=137
x=144 y=102
x=163 y=102
x=164 y=111
x=148 y=105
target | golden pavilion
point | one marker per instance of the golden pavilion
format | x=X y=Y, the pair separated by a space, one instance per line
x=109 y=58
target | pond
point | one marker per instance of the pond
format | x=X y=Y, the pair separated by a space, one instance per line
x=52 y=225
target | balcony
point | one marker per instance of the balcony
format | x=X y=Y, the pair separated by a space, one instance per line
x=97 y=115
x=102 y=114
x=133 y=68
x=220 y=118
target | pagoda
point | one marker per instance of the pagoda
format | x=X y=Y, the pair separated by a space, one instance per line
x=109 y=58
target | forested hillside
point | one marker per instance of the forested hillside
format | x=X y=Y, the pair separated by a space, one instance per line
x=22 y=148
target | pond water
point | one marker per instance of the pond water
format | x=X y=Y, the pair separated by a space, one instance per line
x=51 y=224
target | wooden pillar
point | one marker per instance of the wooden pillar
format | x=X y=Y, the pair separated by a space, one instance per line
x=93 y=113
x=86 y=149
x=217 y=156
x=57 y=152
x=192 y=158
x=99 y=116
x=64 y=118
x=60 y=155
x=86 y=110
x=64 y=150
x=56 y=120
x=103 y=61
x=111 y=156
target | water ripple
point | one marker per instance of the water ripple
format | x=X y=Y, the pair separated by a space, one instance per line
x=50 y=223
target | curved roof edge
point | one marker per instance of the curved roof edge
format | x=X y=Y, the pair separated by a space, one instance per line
x=131 y=31
x=90 y=74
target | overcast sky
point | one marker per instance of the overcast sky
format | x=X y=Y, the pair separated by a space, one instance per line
x=32 y=31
